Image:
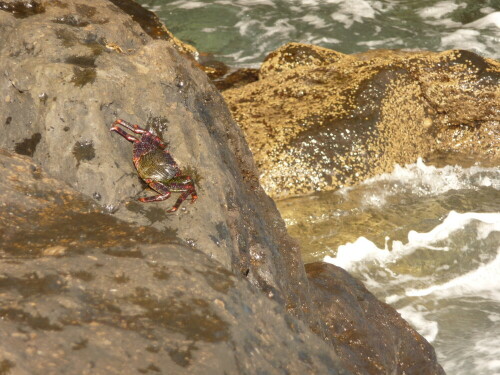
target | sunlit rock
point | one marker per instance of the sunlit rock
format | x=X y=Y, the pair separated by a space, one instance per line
x=319 y=120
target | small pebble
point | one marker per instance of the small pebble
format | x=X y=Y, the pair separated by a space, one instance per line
x=57 y=250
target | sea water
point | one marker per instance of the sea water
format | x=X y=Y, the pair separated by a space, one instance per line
x=243 y=32
x=424 y=239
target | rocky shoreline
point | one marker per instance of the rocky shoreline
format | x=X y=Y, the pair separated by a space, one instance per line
x=94 y=282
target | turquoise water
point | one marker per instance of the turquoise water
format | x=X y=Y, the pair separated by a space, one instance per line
x=243 y=32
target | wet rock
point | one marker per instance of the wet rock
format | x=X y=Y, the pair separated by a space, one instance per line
x=151 y=25
x=23 y=8
x=42 y=216
x=238 y=78
x=214 y=68
x=319 y=120
x=89 y=63
x=173 y=311
x=75 y=280
x=85 y=293
x=368 y=334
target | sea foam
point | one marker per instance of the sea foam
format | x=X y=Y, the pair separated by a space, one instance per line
x=364 y=250
x=482 y=282
x=422 y=180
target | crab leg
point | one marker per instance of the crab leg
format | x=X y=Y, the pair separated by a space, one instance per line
x=135 y=128
x=124 y=134
x=194 y=196
x=182 y=198
x=160 y=188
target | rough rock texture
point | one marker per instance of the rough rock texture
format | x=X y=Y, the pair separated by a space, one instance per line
x=113 y=275
x=318 y=120
x=73 y=68
x=82 y=292
x=372 y=334
x=41 y=216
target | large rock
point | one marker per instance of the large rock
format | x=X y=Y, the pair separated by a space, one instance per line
x=319 y=120
x=85 y=293
x=85 y=266
x=367 y=332
x=72 y=68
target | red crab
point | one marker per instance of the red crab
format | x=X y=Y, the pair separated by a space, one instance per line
x=156 y=166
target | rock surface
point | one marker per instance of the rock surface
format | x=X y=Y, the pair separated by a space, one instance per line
x=368 y=332
x=74 y=67
x=91 y=279
x=70 y=291
x=85 y=293
x=319 y=120
x=75 y=281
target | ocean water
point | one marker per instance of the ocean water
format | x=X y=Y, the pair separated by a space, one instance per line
x=242 y=32
x=424 y=239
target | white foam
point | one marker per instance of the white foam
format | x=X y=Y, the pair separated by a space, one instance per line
x=487 y=349
x=464 y=39
x=453 y=222
x=361 y=250
x=315 y=21
x=482 y=282
x=492 y=19
x=381 y=43
x=350 y=255
x=189 y=4
x=353 y=11
x=323 y=40
x=494 y=317
x=416 y=317
x=422 y=180
x=182 y=4
x=438 y=10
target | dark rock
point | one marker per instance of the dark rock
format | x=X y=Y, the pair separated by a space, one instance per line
x=150 y=23
x=85 y=293
x=214 y=68
x=152 y=26
x=319 y=120
x=173 y=311
x=64 y=85
x=237 y=78
x=23 y=8
x=370 y=335
x=42 y=216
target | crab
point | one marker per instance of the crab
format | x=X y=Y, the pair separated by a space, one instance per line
x=156 y=166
